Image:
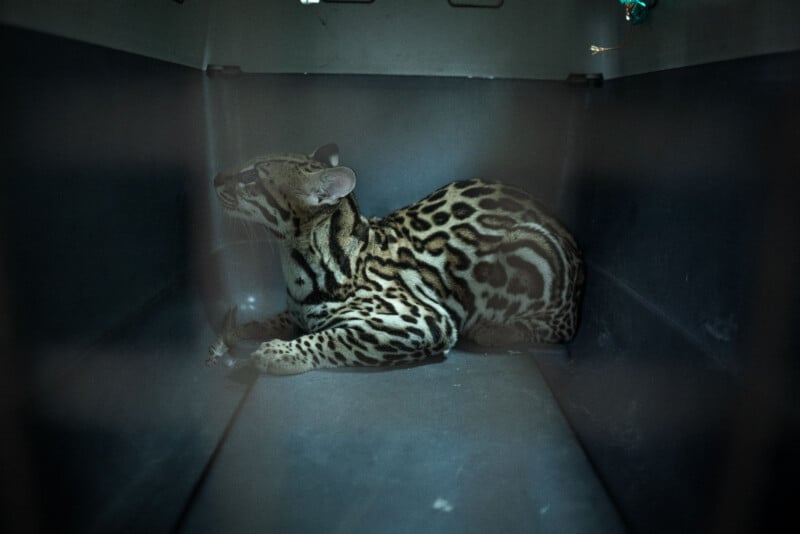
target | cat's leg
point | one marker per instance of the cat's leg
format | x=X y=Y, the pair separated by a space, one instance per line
x=370 y=341
x=491 y=334
x=280 y=326
x=527 y=330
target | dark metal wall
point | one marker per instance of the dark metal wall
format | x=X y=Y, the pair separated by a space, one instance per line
x=102 y=150
x=680 y=383
x=403 y=136
x=522 y=39
x=100 y=153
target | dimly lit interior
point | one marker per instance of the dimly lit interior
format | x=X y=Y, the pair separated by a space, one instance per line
x=673 y=410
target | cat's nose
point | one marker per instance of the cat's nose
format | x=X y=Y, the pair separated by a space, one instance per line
x=220 y=179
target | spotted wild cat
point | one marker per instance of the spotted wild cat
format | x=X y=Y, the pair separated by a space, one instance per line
x=475 y=259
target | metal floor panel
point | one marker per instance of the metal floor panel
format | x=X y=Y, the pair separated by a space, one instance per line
x=475 y=443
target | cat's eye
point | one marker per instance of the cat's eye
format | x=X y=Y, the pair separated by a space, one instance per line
x=248 y=177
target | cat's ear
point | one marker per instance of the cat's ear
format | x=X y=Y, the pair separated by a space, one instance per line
x=328 y=154
x=329 y=185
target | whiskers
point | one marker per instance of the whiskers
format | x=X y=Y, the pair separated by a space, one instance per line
x=243 y=230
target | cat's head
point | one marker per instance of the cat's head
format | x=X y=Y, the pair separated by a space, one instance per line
x=283 y=191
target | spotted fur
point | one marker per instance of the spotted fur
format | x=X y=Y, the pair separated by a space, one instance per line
x=475 y=259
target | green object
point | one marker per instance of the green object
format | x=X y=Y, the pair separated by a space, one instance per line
x=635 y=10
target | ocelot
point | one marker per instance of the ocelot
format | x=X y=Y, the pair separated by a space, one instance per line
x=474 y=259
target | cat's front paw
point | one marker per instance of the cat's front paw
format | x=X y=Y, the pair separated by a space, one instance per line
x=216 y=350
x=279 y=358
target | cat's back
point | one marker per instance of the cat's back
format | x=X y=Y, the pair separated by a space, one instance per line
x=475 y=211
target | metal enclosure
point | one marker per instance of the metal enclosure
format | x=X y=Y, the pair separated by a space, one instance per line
x=674 y=409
